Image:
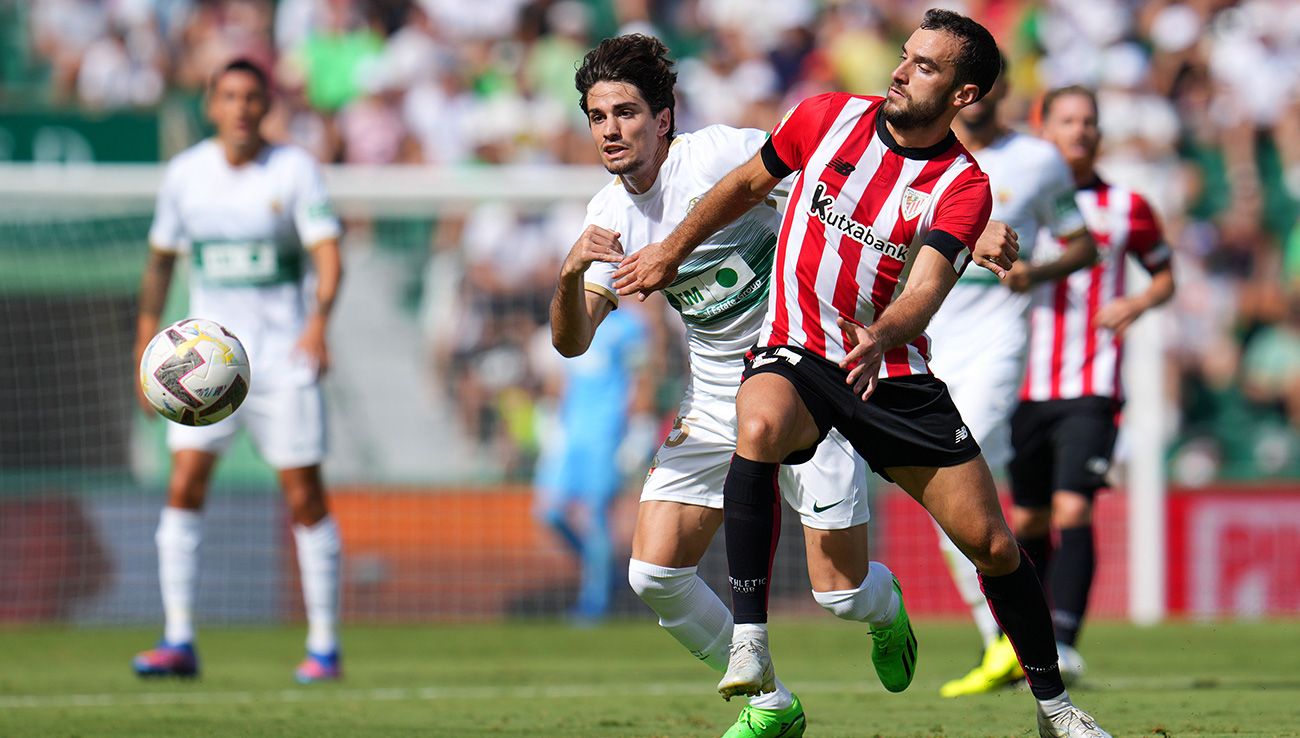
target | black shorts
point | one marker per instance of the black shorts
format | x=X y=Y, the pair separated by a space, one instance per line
x=907 y=421
x=1061 y=445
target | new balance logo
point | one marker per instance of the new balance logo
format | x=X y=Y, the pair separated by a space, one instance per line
x=962 y=434
x=841 y=167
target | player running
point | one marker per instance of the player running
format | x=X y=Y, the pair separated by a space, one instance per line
x=880 y=224
x=1064 y=430
x=626 y=85
x=250 y=214
x=1032 y=190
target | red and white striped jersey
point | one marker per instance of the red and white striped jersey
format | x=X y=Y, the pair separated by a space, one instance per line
x=860 y=211
x=1069 y=355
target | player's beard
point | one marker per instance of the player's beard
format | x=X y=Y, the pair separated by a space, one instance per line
x=625 y=166
x=916 y=114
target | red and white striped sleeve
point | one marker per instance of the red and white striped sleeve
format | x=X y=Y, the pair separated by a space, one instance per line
x=1146 y=239
x=796 y=137
x=960 y=217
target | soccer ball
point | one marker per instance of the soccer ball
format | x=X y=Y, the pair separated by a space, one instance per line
x=195 y=372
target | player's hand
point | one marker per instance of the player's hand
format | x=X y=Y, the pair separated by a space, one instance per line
x=595 y=244
x=997 y=249
x=865 y=355
x=1119 y=314
x=1020 y=278
x=313 y=346
x=649 y=269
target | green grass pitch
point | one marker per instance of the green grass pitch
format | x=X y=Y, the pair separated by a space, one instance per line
x=627 y=679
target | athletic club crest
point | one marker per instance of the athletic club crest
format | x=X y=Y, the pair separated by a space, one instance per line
x=914 y=202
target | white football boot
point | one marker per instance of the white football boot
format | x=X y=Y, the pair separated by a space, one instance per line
x=749 y=669
x=1069 y=723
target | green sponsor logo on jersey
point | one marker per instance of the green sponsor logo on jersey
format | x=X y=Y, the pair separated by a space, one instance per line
x=246 y=263
x=724 y=283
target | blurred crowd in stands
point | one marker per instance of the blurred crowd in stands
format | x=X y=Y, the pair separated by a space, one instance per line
x=1200 y=112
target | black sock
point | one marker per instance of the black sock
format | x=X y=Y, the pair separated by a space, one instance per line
x=1020 y=607
x=752 y=519
x=1071 y=581
x=1040 y=553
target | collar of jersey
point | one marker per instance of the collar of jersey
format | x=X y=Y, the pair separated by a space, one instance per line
x=910 y=152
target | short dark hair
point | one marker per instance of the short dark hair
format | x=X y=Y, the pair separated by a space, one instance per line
x=639 y=60
x=1053 y=95
x=241 y=65
x=979 y=62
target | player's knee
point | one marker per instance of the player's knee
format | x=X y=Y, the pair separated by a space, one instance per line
x=1031 y=522
x=186 y=494
x=656 y=585
x=1071 y=510
x=762 y=436
x=995 y=554
x=1003 y=554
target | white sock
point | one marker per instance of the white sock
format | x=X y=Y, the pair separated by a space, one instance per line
x=1055 y=705
x=967 y=579
x=693 y=613
x=178 y=537
x=874 y=601
x=318 y=560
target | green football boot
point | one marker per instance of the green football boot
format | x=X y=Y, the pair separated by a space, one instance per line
x=755 y=722
x=893 y=649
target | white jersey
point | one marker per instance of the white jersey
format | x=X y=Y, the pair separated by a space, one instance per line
x=721 y=290
x=1033 y=190
x=979 y=335
x=247 y=229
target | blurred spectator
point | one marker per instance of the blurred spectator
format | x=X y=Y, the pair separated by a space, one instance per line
x=114 y=75
x=333 y=56
x=1270 y=369
x=1201 y=105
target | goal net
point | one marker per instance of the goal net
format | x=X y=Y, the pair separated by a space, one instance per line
x=440 y=402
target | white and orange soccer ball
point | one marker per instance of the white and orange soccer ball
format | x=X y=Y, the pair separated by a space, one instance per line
x=195 y=372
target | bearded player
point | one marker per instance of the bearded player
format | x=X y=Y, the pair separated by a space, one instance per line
x=626 y=88
x=882 y=220
x=1033 y=190
x=252 y=216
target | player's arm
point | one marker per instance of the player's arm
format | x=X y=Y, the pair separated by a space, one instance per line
x=1120 y=313
x=154 y=286
x=578 y=307
x=931 y=278
x=1146 y=242
x=655 y=266
x=1080 y=252
x=326 y=258
x=1058 y=210
x=165 y=236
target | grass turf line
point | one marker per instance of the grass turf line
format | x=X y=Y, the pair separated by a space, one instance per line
x=626 y=680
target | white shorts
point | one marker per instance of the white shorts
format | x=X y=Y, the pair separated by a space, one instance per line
x=287 y=425
x=977 y=347
x=829 y=492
